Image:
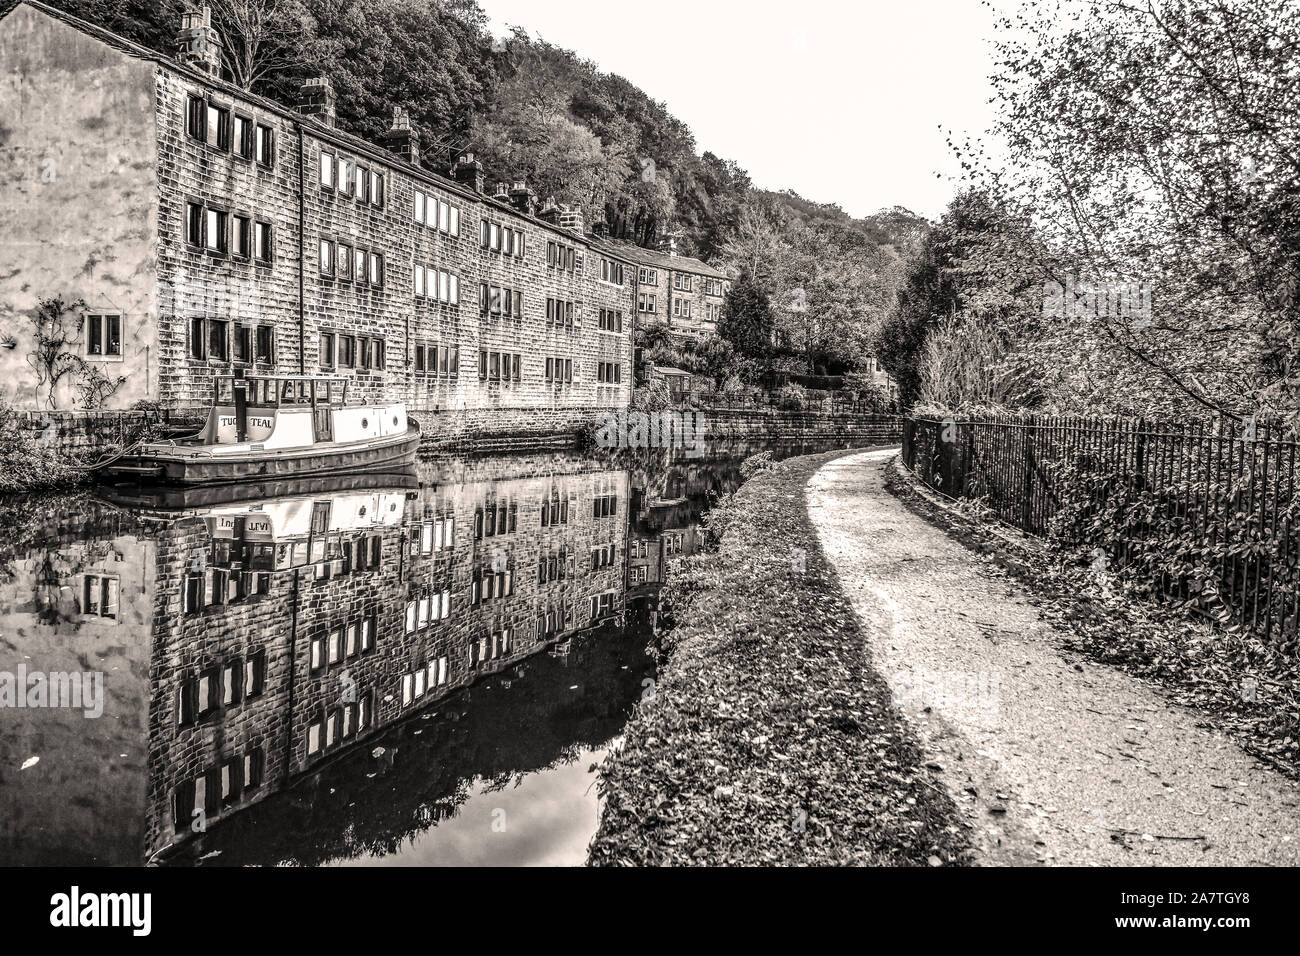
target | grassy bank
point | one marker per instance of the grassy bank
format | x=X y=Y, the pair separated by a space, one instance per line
x=768 y=738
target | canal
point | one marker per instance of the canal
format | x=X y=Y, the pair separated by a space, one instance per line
x=414 y=670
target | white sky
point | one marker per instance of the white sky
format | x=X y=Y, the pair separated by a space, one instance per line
x=840 y=101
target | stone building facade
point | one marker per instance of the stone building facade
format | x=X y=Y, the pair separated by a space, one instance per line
x=192 y=229
x=681 y=293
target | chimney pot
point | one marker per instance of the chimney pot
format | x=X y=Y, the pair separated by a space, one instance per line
x=197 y=43
x=401 y=139
x=469 y=171
x=316 y=99
x=523 y=198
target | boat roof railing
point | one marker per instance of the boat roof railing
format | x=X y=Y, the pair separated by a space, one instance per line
x=277 y=389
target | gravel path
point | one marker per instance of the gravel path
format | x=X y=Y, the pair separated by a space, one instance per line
x=1051 y=759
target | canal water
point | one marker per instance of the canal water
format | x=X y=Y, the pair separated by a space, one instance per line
x=422 y=669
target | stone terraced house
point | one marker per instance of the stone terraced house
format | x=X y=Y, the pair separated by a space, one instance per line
x=193 y=228
x=680 y=292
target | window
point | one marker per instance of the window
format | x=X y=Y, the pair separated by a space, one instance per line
x=264 y=146
x=417 y=210
x=208 y=123
x=327 y=350
x=218 y=339
x=345 y=176
x=217 y=133
x=377 y=189
x=362 y=189
x=266 y=345
x=214 y=231
x=99 y=595
x=198 y=341
x=103 y=335
x=648 y=277
x=196 y=118
x=326 y=170
x=359 y=265
x=326 y=257
x=347 y=351
x=243 y=237
x=611 y=272
x=254 y=674
x=263 y=247
x=376 y=269
x=194 y=223
x=243 y=136
x=646 y=302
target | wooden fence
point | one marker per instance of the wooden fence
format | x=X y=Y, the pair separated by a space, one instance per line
x=1207 y=507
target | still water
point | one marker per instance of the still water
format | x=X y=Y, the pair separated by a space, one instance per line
x=401 y=670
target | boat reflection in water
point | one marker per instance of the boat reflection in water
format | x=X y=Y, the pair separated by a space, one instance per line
x=377 y=668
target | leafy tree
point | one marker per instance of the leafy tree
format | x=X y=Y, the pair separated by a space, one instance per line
x=1152 y=144
x=747 y=321
x=975 y=264
x=263 y=37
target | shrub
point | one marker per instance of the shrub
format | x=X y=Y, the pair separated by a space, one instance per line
x=654 y=396
x=26 y=464
x=792 y=398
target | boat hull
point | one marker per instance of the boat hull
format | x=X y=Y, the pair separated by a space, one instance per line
x=182 y=467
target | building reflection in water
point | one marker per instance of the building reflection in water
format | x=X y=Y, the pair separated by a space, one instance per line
x=322 y=671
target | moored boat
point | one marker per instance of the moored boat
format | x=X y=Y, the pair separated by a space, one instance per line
x=277 y=426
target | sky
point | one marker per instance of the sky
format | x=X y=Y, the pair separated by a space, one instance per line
x=840 y=101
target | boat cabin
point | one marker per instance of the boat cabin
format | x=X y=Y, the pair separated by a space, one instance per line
x=290 y=411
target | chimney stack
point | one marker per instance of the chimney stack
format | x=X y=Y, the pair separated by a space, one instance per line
x=570 y=218
x=668 y=244
x=523 y=198
x=401 y=139
x=468 y=171
x=316 y=99
x=197 y=42
x=501 y=193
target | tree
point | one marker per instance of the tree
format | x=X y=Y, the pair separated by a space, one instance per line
x=1152 y=143
x=747 y=321
x=976 y=264
x=263 y=37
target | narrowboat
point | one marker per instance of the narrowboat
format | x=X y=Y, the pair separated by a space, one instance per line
x=276 y=426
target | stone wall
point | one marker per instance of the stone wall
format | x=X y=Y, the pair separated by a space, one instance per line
x=853 y=430
x=86 y=436
x=76 y=210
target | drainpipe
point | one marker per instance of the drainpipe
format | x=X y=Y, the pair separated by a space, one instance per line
x=302 y=225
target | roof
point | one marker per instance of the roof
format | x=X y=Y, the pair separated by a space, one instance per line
x=666 y=370
x=665 y=260
x=315 y=127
